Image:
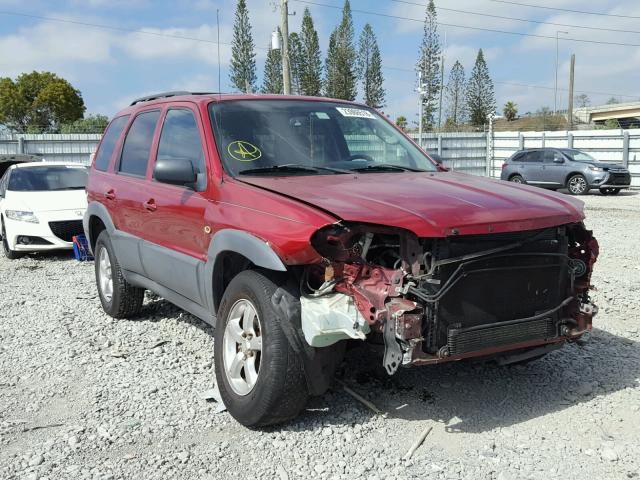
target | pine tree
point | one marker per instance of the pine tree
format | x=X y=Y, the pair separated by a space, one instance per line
x=429 y=64
x=295 y=62
x=369 y=68
x=341 y=78
x=311 y=64
x=455 y=94
x=243 y=57
x=331 y=67
x=481 y=101
x=272 y=81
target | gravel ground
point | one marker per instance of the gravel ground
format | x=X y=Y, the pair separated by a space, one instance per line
x=86 y=396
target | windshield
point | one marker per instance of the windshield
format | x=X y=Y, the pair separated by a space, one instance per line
x=578 y=156
x=293 y=137
x=48 y=178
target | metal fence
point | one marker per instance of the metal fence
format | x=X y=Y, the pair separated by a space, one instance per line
x=460 y=151
x=67 y=147
x=477 y=153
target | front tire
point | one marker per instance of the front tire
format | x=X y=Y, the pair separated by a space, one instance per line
x=8 y=253
x=119 y=298
x=577 y=184
x=260 y=377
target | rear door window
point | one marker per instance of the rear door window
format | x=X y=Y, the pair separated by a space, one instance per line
x=109 y=141
x=137 y=144
x=180 y=140
x=534 y=156
x=518 y=157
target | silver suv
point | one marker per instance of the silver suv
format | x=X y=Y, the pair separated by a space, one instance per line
x=568 y=168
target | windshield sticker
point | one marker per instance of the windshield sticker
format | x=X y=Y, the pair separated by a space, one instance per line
x=322 y=115
x=355 y=112
x=243 y=151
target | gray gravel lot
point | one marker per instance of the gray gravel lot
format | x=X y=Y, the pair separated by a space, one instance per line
x=86 y=396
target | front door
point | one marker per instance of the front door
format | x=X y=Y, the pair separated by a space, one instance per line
x=174 y=250
x=554 y=168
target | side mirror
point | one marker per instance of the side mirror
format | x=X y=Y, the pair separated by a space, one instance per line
x=176 y=171
x=558 y=160
x=441 y=167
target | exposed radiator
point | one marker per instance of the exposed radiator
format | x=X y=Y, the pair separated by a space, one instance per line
x=464 y=340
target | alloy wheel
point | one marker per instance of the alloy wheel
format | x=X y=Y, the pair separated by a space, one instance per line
x=242 y=347
x=577 y=185
x=105 y=275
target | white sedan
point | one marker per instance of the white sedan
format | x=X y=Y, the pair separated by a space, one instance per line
x=41 y=206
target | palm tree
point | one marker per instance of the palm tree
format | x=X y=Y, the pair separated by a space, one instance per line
x=510 y=111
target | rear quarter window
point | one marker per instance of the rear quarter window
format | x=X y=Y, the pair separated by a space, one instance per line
x=109 y=141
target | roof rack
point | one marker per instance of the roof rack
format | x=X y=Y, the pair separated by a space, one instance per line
x=176 y=93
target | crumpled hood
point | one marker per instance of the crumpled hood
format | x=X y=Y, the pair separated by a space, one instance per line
x=51 y=201
x=429 y=204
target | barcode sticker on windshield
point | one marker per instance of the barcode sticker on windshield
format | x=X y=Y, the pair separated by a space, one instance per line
x=355 y=112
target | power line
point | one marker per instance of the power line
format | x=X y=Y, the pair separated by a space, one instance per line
x=515 y=84
x=585 y=12
x=520 y=34
x=540 y=22
x=114 y=28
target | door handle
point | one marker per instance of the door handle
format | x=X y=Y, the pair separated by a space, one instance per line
x=150 y=205
x=110 y=194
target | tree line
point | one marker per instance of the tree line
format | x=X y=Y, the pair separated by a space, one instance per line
x=349 y=65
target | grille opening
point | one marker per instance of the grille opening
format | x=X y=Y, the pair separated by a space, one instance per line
x=66 y=230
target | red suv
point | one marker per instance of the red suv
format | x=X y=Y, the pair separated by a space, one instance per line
x=297 y=224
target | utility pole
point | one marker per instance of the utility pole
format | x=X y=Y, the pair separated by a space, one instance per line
x=555 y=89
x=286 y=72
x=571 y=79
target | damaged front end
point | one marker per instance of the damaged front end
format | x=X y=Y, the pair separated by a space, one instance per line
x=442 y=299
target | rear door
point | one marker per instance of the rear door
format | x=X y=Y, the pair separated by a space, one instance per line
x=175 y=244
x=532 y=166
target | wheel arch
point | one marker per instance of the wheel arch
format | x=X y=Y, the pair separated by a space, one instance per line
x=96 y=219
x=233 y=251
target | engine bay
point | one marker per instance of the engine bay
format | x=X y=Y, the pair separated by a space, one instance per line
x=442 y=299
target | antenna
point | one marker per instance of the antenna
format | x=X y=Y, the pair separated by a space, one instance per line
x=218 y=25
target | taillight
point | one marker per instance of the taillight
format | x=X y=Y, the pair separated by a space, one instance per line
x=504 y=165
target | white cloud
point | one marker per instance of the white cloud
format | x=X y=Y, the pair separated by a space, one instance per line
x=53 y=46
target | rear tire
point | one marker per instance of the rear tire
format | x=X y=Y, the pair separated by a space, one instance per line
x=119 y=298
x=577 y=184
x=260 y=377
x=517 y=179
x=8 y=253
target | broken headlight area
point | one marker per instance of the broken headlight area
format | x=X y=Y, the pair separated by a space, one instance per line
x=441 y=299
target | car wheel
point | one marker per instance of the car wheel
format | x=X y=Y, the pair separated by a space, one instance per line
x=119 y=298
x=10 y=254
x=260 y=377
x=577 y=185
x=517 y=179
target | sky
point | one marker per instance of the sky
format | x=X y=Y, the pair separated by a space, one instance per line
x=111 y=66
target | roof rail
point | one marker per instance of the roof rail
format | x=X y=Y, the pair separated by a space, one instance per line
x=176 y=93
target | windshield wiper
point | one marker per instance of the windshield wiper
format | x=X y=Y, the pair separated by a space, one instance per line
x=290 y=167
x=381 y=167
